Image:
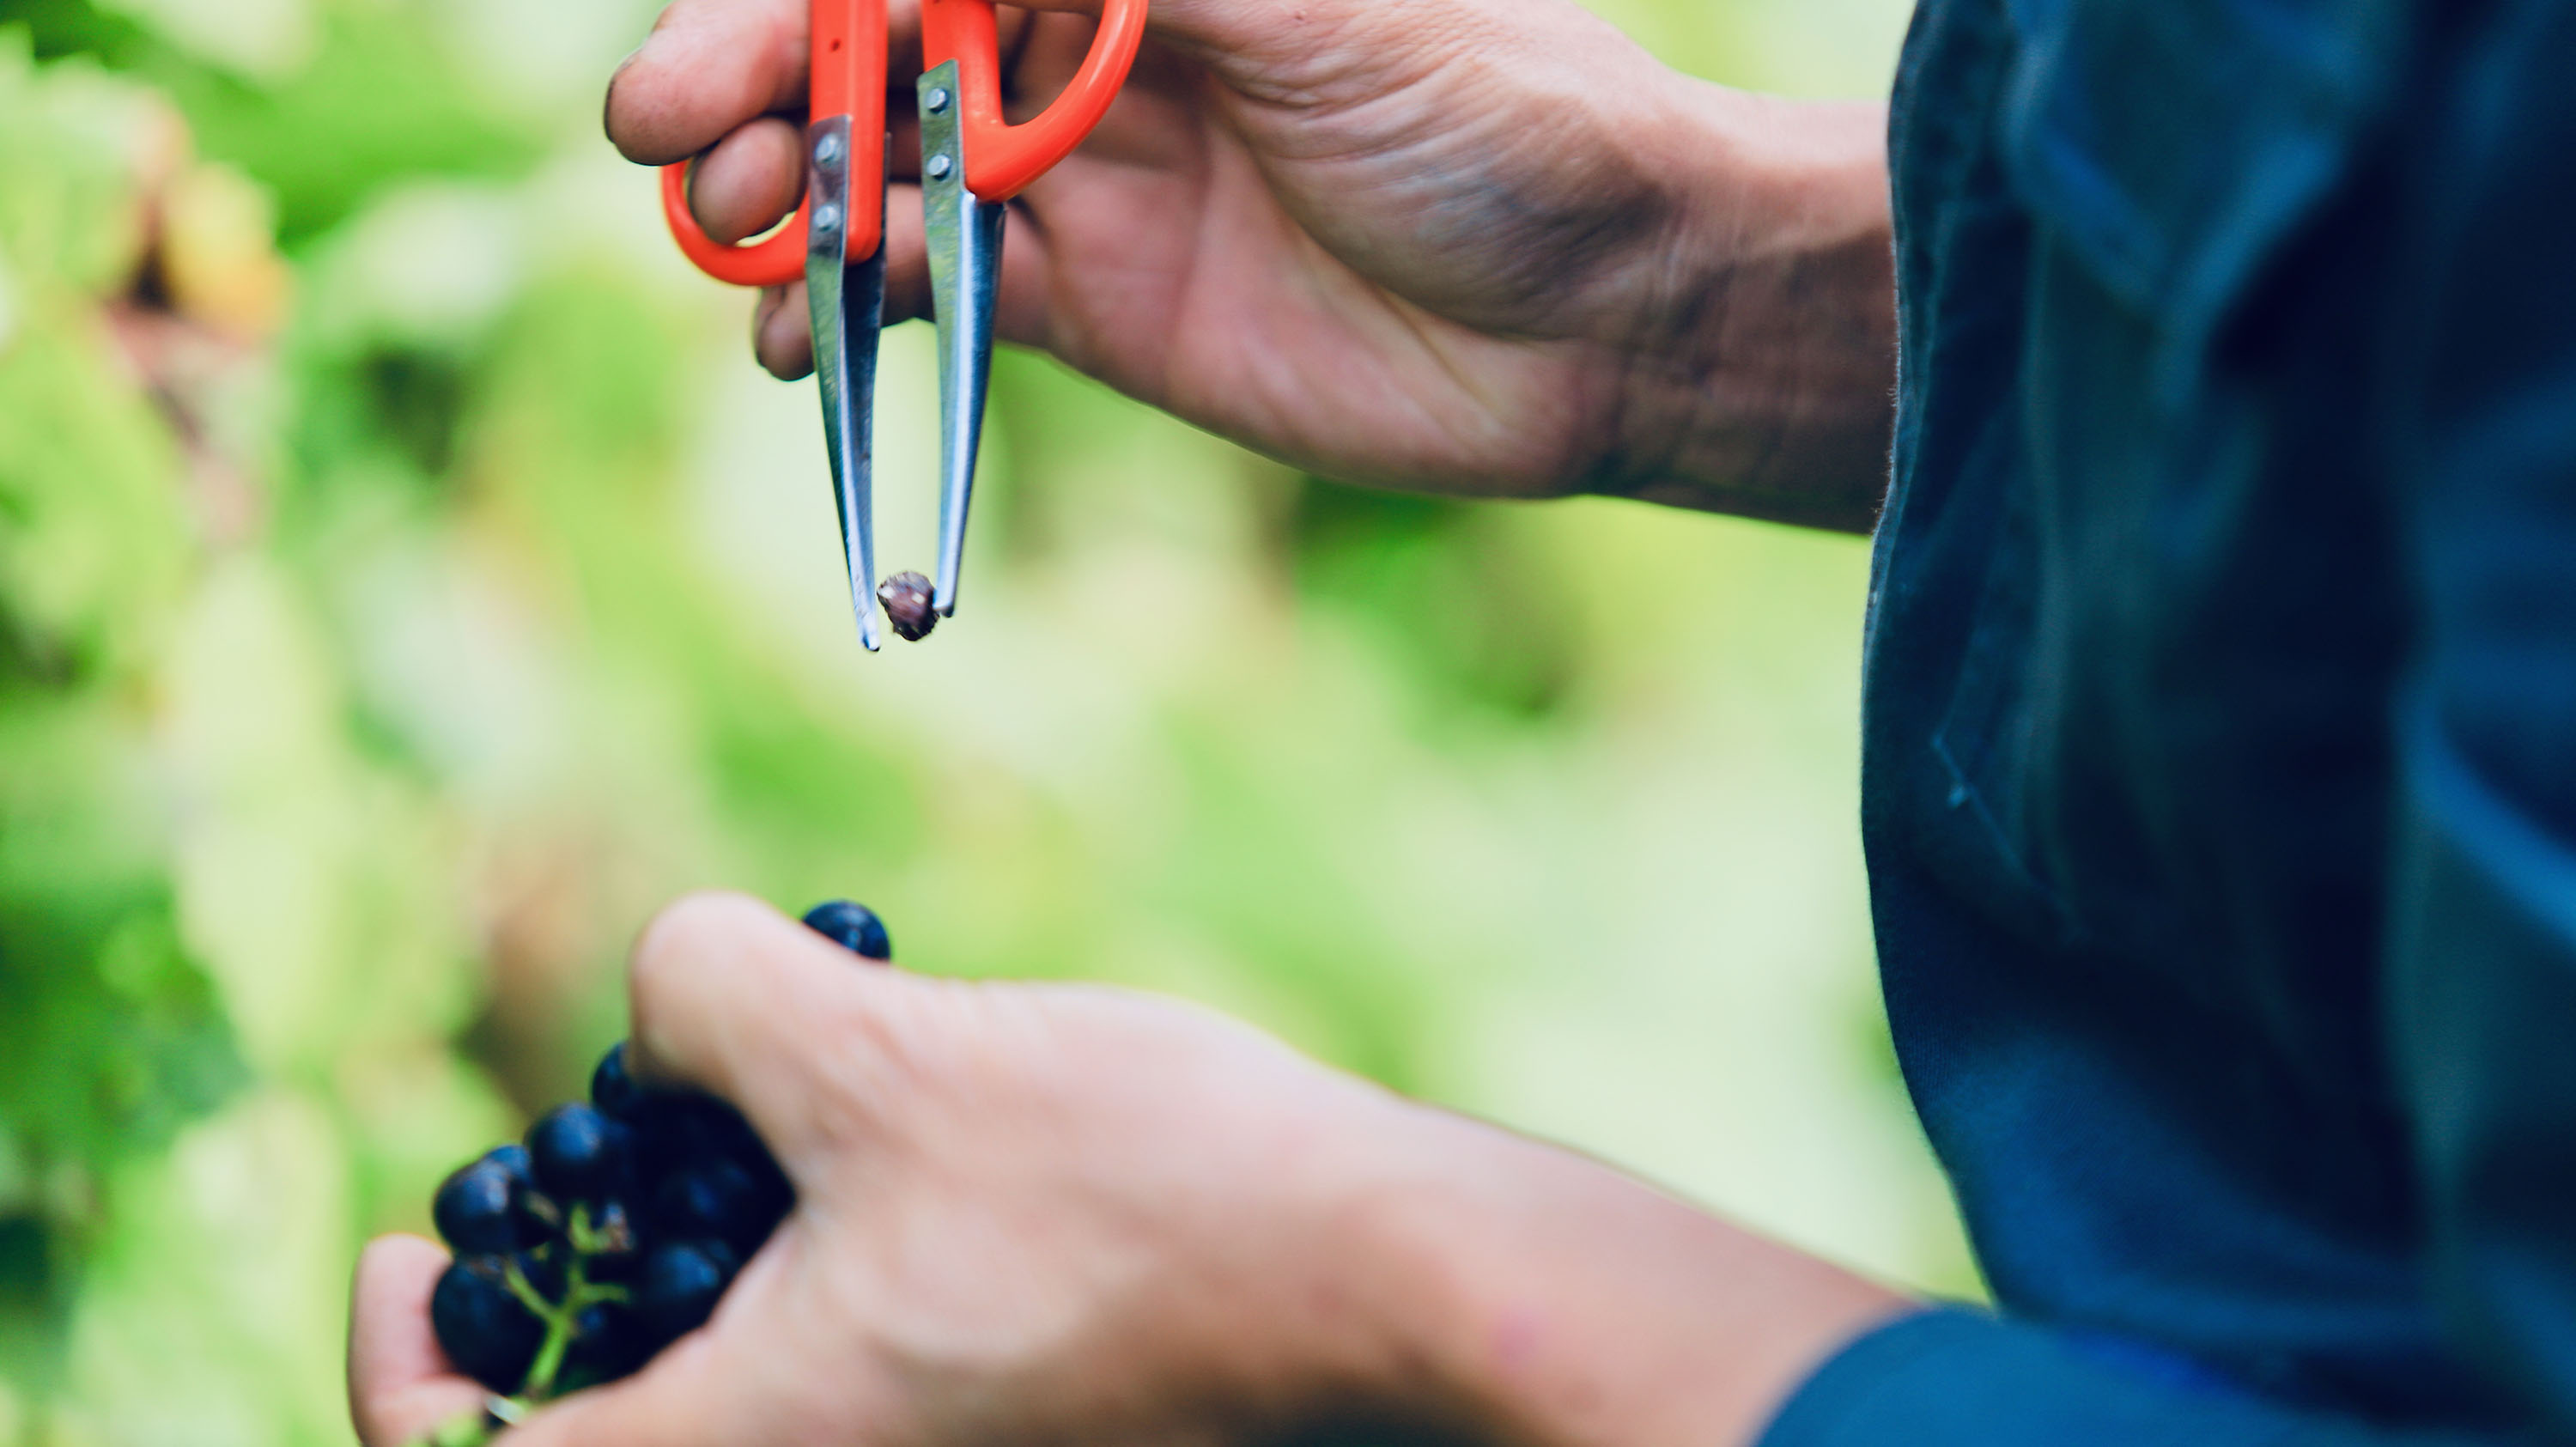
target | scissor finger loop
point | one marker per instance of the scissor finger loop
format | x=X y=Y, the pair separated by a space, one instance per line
x=973 y=161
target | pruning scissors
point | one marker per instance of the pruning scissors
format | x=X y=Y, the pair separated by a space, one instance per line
x=972 y=162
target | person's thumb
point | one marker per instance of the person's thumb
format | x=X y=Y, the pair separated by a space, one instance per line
x=732 y=997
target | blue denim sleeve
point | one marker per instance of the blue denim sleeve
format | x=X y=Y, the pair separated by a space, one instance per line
x=1957 y=1378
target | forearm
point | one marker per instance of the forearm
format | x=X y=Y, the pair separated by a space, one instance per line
x=1762 y=366
x=1541 y=1299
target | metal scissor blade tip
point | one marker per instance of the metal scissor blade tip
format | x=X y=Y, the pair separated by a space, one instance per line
x=847 y=304
x=962 y=235
x=863 y=608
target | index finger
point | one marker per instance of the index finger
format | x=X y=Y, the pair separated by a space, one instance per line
x=401 y=1387
x=708 y=67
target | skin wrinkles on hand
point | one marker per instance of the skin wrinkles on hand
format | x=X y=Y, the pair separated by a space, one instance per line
x=1499 y=193
x=1498 y=230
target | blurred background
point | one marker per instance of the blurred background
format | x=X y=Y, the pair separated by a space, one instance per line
x=407 y=583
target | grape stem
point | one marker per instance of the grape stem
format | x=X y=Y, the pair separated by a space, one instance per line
x=538 y=1387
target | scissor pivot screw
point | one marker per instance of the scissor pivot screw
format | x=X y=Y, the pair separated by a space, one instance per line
x=827 y=219
x=827 y=150
x=939 y=167
x=936 y=99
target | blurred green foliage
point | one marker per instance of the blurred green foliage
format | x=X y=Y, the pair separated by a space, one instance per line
x=406 y=585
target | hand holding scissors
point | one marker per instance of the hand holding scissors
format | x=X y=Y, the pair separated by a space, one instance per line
x=973 y=162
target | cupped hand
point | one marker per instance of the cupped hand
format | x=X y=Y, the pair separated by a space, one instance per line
x=1469 y=245
x=1023 y=1213
x=1064 y=1214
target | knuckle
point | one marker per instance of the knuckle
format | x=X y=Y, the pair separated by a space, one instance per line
x=897 y=1062
x=946 y=1039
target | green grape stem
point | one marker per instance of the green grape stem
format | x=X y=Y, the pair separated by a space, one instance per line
x=538 y=1387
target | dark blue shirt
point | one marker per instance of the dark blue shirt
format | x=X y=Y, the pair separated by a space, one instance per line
x=2220 y=760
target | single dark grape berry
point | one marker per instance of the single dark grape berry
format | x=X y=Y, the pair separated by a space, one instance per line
x=483 y=1327
x=578 y=1153
x=608 y=1342
x=907 y=601
x=681 y=1285
x=468 y=1192
x=854 y=927
x=473 y=1208
x=716 y=1200
x=612 y=1088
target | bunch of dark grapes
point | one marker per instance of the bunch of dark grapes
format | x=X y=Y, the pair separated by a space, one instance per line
x=611 y=1231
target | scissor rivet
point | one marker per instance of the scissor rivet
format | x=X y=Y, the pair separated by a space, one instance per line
x=936 y=100
x=827 y=150
x=939 y=168
x=827 y=218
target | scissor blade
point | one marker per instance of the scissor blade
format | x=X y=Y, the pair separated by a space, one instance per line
x=847 y=307
x=964 y=237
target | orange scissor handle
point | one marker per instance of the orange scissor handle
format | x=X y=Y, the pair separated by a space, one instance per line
x=775 y=260
x=1001 y=158
x=848 y=78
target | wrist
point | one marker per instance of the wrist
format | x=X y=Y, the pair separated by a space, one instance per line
x=1536 y=1297
x=1758 y=352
